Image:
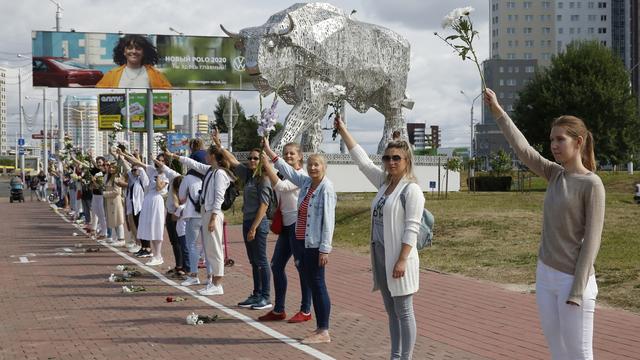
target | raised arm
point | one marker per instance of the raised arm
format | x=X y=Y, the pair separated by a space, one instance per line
x=525 y=152
x=190 y=163
x=371 y=171
x=268 y=170
x=233 y=162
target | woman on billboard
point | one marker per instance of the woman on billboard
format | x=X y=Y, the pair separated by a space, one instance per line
x=136 y=56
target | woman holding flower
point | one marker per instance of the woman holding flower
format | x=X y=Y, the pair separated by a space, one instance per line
x=573 y=218
x=314 y=226
x=113 y=205
x=396 y=212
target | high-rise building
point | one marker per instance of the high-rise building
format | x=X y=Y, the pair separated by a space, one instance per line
x=4 y=149
x=526 y=34
x=81 y=123
x=635 y=48
x=416 y=133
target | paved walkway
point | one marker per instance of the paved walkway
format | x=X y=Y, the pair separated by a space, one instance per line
x=58 y=304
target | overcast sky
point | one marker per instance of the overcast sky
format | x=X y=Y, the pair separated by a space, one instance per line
x=436 y=78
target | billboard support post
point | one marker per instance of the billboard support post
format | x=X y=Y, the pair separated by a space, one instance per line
x=21 y=121
x=45 y=156
x=148 y=115
x=127 y=115
x=60 y=124
x=231 y=122
x=192 y=128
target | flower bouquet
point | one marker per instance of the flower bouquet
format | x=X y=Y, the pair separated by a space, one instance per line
x=125 y=268
x=459 y=20
x=131 y=273
x=175 y=299
x=266 y=124
x=118 y=278
x=117 y=127
x=161 y=141
x=133 y=289
x=195 y=319
x=337 y=94
x=99 y=179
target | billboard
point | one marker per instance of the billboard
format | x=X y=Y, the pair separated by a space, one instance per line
x=178 y=142
x=118 y=61
x=112 y=109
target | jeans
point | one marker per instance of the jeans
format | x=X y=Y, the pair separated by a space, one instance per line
x=185 y=252
x=287 y=245
x=257 y=254
x=567 y=328
x=402 y=320
x=314 y=274
x=86 y=210
x=192 y=234
x=170 y=224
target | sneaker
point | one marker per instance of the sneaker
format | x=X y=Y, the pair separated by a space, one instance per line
x=317 y=338
x=263 y=303
x=299 y=317
x=273 y=316
x=252 y=299
x=190 y=281
x=143 y=253
x=117 y=243
x=154 y=262
x=134 y=249
x=211 y=289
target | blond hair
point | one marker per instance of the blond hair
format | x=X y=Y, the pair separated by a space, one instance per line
x=404 y=147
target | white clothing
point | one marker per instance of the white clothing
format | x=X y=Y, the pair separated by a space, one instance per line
x=135 y=191
x=134 y=78
x=152 y=216
x=401 y=225
x=567 y=328
x=99 y=218
x=287 y=194
x=213 y=244
x=215 y=186
x=190 y=187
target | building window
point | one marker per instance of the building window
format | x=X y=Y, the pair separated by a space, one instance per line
x=528 y=56
x=591 y=31
x=546 y=30
x=511 y=82
x=546 y=56
x=560 y=31
x=511 y=30
x=591 y=5
x=602 y=5
x=501 y=69
x=510 y=107
x=511 y=4
x=495 y=45
x=529 y=69
x=558 y=17
x=528 y=18
x=511 y=56
x=603 y=17
x=579 y=30
x=527 y=30
x=560 y=5
x=516 y=69
x=603 y=42
x=591 y=18
x=510 y=69
x=575 y=17
x=528 y=43
x=572 y=5
x=501 y=82
x=546 y=4
x=501 y=95
x=526 y=4
x=602 y=30
x=571 y=30
x=510 y=42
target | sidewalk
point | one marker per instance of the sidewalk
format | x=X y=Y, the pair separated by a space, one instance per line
x=58 y=304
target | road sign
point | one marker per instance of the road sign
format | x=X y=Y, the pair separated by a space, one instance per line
x=21 y=141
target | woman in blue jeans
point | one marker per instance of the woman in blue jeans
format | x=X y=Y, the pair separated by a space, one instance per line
x=315 y=225
x=256 y=196
x=287 y=244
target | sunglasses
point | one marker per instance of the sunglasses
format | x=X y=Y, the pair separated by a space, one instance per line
x=254 y=158
x=395 y=158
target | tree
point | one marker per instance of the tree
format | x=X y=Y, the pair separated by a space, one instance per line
x=245 y=133
x=588 y=81
x=500 y=163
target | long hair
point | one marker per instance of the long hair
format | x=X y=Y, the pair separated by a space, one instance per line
x=408 y=154
x=149 y=52
x=221 y=161
x=175 y=185
x=575 y=128
x=298 y=149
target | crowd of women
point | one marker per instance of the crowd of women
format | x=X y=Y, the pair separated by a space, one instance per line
x=149 y=198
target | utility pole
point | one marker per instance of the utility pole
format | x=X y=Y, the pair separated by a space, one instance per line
x=21 y=138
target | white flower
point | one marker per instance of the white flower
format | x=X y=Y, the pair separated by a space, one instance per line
x=200 y=322
x=126 y=274
x=124 y=143
x=74 y=234
x=112 y=278
x=455 y=15
x=120 y=267
x=192 y=319
x=117 y=126
x=126 y=289
x=100 y=174
x=465 y=11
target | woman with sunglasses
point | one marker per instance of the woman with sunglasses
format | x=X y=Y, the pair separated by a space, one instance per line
x=256 y=195
x=315 y=225
x=396 y=212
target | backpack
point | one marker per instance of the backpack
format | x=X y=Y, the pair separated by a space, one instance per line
x=273 y=200
x=425 y=234
x=196 y=204
x=230 y=194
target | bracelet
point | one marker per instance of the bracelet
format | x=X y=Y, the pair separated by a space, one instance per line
x=274 y=159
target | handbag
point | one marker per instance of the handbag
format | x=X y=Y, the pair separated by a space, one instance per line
x=277 y=223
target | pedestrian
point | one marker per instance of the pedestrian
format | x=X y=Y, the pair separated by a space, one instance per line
x=573 y=218
x=99 y=220
x=176 y=229
x=42 y=186
x=396 y=213
x=33 y=187
x=114 y=206
x=314 y=225
x=137 y=183
x=287 y=245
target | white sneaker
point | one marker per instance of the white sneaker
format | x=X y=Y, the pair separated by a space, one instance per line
x=134 y=249
x=211 y=289
x=155 y=262
x=191 y=281
x=118 y=243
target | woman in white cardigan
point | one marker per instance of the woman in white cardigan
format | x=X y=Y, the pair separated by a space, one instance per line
x=394 y=228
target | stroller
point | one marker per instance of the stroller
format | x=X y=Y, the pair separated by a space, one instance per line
x=17 y=190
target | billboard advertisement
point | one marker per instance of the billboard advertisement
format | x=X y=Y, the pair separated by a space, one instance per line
x=119 y=61
x=178 y=142
x=112 y=109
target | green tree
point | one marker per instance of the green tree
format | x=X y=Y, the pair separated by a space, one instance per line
x=245 y=133
x=500 y=163
x=588 y=81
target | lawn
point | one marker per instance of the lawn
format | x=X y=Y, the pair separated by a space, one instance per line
x=495 y=236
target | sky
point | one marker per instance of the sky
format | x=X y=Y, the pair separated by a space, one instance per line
x=435 y=81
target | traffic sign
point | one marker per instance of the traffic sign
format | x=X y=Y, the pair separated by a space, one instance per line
x=21 y=141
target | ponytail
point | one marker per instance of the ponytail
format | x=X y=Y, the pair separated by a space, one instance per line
x=588 y=155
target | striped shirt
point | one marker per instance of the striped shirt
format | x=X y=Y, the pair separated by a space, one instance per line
x=301 y=224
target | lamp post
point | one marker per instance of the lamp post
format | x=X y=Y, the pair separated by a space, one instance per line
x=192 y=129
x=471 y=144
x=21 y=153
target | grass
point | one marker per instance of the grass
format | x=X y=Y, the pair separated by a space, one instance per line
x=495 y=236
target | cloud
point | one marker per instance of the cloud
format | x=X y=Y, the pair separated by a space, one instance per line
x=435 y=79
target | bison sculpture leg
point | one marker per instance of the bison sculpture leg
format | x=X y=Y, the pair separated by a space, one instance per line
x=393 y=120
x=303 y=116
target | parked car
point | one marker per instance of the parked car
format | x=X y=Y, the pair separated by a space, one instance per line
x=63 y=72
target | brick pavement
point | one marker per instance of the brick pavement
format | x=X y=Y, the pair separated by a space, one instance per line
x=62 y=307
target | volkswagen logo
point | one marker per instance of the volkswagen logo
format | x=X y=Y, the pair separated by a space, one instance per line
x=238 y=63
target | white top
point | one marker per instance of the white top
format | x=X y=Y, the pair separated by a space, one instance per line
x=181 y=224
x=401 y=225
x=287 y=194
x=190 y=185
x=638 y=189
x=216 y=187
x=134 y=78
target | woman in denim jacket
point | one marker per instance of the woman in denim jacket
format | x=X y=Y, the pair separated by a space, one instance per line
x=315 y=224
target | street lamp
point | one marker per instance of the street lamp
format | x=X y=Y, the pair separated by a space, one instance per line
x=192 y=130
x=20 y=153
x=471 y=144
